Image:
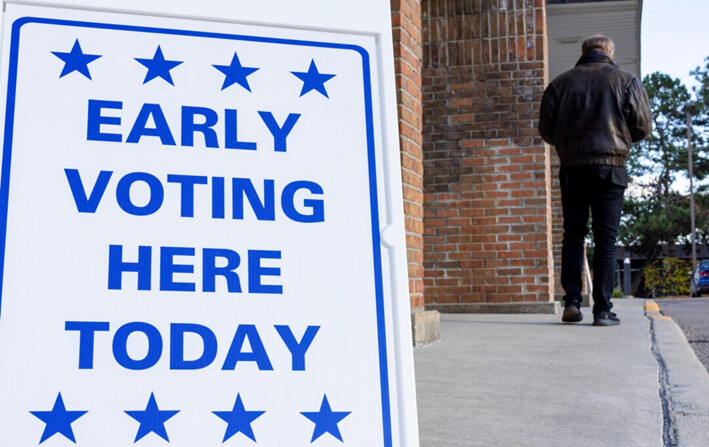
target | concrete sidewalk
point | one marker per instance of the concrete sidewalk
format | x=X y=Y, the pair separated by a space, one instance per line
x=529 y=380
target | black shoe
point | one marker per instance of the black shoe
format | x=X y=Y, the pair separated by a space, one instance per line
x=572 y=312
x=605 y=318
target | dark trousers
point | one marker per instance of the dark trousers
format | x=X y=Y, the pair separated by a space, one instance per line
x=584 y=188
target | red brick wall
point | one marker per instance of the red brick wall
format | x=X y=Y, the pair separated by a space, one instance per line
x=406 y=27
x=487 y=176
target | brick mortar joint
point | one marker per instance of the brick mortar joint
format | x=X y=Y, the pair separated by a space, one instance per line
x=408 y=61
x=414 y=125
x=403 y=168
x=416 y=98
x=416 y=128
x=416 y=38
x=403 y=63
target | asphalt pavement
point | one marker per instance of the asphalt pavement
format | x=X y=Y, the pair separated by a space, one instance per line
x=692 y=315
x=530 y=380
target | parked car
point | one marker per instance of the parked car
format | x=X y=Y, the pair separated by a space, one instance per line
x=701 y=279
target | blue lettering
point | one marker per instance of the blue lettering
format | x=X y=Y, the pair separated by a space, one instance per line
x=297 y=349
x=210 y=269
x=151 y=122
x=231 y=141
x=256 y=272
x=244 y=195
x=95 y=119
x=257 y=354
x=86 y=329
x=279 y=132
x=189 y=127
x=83 y=203
x=116 y=267
x=161 y=129
x=157 y=193
x=218 y=198
x=288 y=202
x=245 y=334
x=168 y=268
x=120 y=346
x=187 y=183
x=177 y=346
x=265 y=210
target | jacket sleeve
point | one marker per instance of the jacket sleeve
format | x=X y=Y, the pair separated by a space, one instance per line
x=637 y=109
x=547 y=115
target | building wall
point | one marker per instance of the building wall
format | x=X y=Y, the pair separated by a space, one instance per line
x=487 y=179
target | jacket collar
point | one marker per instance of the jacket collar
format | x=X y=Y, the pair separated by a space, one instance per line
x=595 y=56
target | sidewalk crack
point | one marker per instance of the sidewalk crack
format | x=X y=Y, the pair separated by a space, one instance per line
x=669 y=430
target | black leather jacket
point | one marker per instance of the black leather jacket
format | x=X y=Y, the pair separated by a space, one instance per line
x=593 y=112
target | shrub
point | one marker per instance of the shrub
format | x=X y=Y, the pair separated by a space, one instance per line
x=668 y=277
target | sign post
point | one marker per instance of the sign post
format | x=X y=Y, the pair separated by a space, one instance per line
x=201 y=242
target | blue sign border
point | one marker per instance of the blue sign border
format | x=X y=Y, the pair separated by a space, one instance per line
x=373 y=198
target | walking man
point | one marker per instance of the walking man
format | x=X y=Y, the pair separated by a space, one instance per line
x=592 y=114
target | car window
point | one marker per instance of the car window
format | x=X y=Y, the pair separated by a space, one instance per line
x=704 y=265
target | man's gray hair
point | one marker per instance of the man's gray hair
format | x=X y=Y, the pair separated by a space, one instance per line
x=598 y=42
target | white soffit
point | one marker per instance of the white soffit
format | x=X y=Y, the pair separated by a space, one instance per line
x=569 y=24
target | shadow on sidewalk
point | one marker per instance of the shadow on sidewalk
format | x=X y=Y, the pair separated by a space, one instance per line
x=530 y=323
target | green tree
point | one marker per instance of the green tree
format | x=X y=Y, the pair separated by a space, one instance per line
x=701 y=121
x=701 y=159
x=656 y=212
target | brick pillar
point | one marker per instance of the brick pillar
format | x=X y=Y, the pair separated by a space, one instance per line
x=406 y=23
x=406 y=28
x=487 y=178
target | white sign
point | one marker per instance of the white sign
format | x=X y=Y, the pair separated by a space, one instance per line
x=191 y=221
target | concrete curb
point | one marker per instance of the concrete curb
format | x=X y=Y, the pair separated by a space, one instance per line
x=684 y=383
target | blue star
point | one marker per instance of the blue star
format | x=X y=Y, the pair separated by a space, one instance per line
x=151 y=419
x=158 y=67
x=325 y=420
x=235 y=73
x=239 y=420
x=58 y=420
x=313 y=80
x=76 y=60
